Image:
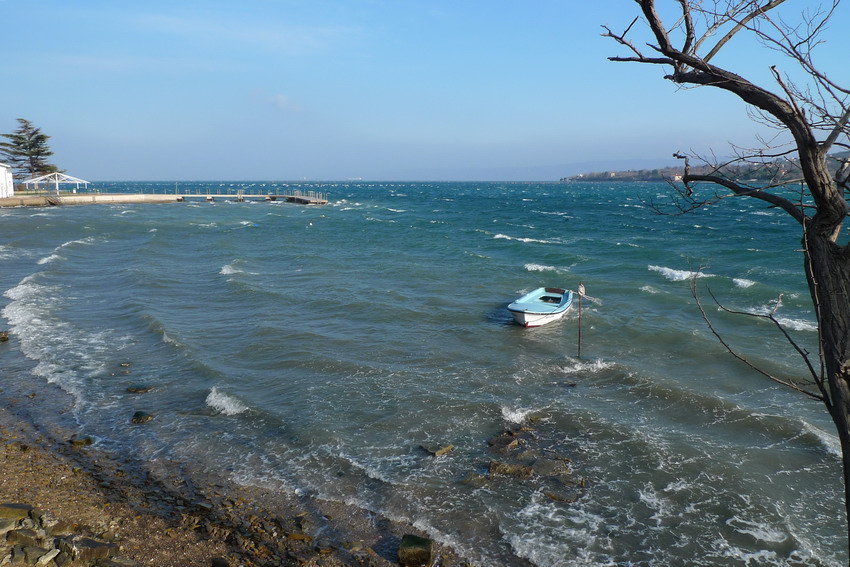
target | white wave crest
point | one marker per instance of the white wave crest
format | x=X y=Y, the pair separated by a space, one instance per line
x=48 y=259
x=741 y=282
x=829 y=441
x=678 y=275
x=34 y=316
x=228 y=270
x=56 y=256
x=593 y=366
x=515 y=415
x=649 y=289
x=798 y=324
x=542 y=268
x=224 y=403
x=788 y=322
x=525 y=240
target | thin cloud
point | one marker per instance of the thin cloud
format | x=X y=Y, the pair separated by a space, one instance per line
x=133 y=63
x=283 y=102
x=278 y=38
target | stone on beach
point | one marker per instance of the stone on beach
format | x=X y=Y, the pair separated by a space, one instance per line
x=15 y=511
x=82 y=548
x=414 y=551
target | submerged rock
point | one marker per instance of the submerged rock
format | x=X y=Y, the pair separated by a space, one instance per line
x=139 y=389
x=414 y=551
x=505 y=442
x=551 y=467
x=510 y=469
x=141 y=417
x=4 y=336
x=437 y=450
x=82 y=441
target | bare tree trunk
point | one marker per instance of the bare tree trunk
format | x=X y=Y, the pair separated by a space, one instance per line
x=828 y=271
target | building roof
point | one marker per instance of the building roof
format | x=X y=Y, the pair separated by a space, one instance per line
x=55 y=177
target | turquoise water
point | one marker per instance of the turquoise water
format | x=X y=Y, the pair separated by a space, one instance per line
x=314 y=349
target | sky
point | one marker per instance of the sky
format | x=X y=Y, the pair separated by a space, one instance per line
x=407 y=90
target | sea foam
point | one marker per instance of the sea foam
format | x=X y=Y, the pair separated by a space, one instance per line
x=515 y=415
x=542 y=268
x=525 y=240
x=678 y=275
x=224 y=403
x=744 y=283
x=829 y=441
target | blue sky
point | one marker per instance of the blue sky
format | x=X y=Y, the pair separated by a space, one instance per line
x=339 y=89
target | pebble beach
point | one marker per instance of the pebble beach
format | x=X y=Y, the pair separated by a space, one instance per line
x=63 y=502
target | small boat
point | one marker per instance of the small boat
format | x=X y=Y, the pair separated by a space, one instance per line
x=541 y=306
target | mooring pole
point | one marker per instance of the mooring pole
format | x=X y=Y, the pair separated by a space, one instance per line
x=580 y=296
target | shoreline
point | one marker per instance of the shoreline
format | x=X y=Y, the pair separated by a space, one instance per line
x=177 y=517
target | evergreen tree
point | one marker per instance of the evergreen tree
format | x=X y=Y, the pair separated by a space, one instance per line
x=27 y=150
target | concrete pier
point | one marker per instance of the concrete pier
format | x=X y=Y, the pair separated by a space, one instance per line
x=85 y=199
x=134 y=198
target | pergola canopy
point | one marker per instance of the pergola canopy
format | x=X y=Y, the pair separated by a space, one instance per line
x=56 y=178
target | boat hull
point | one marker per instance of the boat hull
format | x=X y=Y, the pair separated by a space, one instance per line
x=534 y=319
x=541 y=306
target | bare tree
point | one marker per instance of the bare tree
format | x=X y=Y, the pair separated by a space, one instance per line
x=810 y=113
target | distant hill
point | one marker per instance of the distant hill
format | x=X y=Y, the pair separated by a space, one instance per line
x=784 y=170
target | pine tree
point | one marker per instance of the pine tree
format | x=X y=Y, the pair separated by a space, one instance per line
x=27 y=150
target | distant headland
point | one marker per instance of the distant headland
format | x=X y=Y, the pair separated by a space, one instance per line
x=768 y=172
x=756 y=173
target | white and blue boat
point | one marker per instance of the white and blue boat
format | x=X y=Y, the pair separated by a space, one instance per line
x=541 y=306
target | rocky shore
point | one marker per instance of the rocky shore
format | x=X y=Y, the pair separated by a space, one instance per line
x=65 y=503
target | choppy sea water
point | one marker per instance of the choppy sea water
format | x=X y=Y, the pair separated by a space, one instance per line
x=314 y=349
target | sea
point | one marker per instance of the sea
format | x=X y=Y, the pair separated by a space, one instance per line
x=316 y=349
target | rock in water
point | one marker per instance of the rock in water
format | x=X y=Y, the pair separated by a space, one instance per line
x=414 y=551
x=437 y=450
x=141 y=417
x=510 y=469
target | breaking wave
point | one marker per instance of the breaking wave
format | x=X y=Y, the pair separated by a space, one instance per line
x=224 y=403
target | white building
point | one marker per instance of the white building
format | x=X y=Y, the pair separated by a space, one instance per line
x=7 y=187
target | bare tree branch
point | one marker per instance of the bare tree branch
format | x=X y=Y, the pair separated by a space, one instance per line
x=740 y=26
x=818 y=381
